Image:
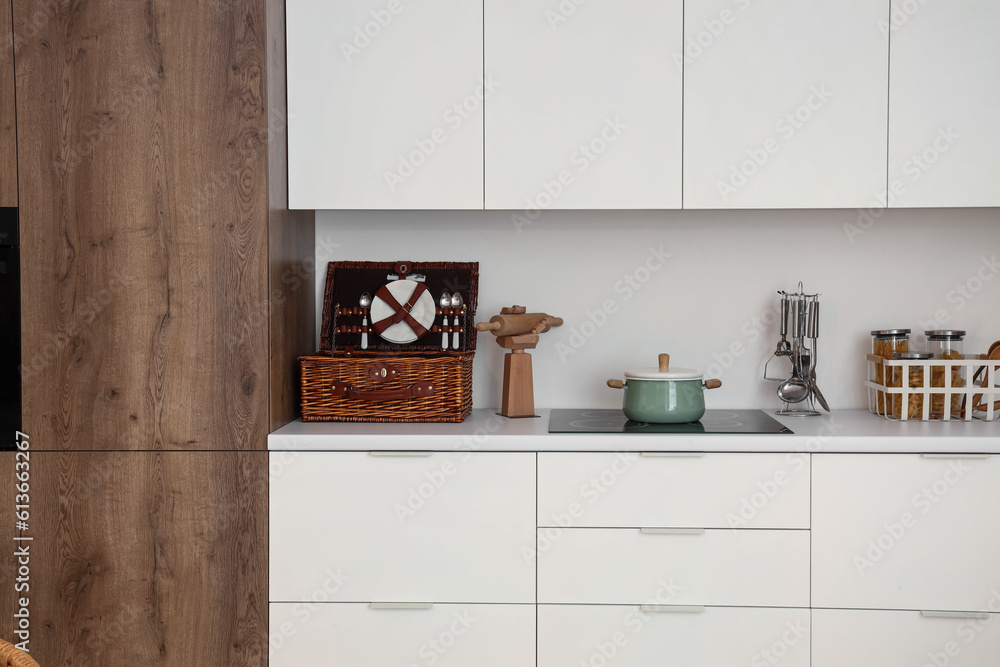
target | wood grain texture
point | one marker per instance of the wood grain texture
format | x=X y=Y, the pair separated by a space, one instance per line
x=150 y=558
x=292 y=264
x=8 y=128
x=144 y=207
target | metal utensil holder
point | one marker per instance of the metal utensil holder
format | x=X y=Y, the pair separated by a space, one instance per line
x=799 y=321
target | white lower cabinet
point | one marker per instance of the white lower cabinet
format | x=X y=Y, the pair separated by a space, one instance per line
x=695 y=490
x=498 y=558
x=905 y=531
x=862 y=638
x=710 y=567
x=394 y=527
x=635 y=636
x=445 y=635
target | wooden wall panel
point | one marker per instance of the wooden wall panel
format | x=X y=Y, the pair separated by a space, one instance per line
x=292 y=244
x=150 y=558
x=8 y=129
x=142 y=133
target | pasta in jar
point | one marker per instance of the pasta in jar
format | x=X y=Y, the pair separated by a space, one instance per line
x=914 y=375
x=884 y=343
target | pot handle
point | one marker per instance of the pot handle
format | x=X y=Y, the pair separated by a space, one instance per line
x=616 y=384
x=713 y=384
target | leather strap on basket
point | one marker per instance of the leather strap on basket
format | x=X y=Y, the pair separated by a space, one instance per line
x=402 y=311
x=417 y=390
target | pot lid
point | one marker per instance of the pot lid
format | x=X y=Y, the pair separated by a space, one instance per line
x=664 y=372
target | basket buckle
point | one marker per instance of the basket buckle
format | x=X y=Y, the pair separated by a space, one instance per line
x=382 y=372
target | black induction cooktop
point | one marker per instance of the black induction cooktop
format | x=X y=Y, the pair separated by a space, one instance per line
x=714 y=421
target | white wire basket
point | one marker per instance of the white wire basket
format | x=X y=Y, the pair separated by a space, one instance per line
x=942 y=389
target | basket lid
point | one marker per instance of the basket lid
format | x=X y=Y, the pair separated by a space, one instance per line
x=347 y=324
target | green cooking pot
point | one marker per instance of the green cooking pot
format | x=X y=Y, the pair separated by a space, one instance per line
x=664 y=395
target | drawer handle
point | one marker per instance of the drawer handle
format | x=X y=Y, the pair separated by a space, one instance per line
x=676 y=455
x=677 y=609
x=400 y=605
x=672 y=531
x=955 y=614
x=955 y=456
x=400 y=453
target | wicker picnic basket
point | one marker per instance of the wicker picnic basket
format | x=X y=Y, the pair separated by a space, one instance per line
x=367 y=372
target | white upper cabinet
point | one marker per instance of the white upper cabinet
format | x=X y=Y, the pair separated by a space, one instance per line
x=385 y=104
x=587 y=114
x=944 y=136
x=785 y=103
x=526 y=106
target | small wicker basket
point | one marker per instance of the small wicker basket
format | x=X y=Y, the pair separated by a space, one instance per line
x=447 y=374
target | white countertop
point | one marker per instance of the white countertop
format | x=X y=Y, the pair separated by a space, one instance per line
x=484 y=430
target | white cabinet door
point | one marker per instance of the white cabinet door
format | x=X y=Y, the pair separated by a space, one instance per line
x=905 y=531
x=355 y=635
x=768 y=568
x=630 y=636
x=904 y=639
x=448 y=527
x=944 y=91
x=385 y=104
x=695 y=491
x=785 y=103
x=588 y=112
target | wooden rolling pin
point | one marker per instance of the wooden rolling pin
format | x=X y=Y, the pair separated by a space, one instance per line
x=520 y=323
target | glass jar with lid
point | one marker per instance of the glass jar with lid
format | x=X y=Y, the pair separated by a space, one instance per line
x=884 y=343
x=912 y=376
x=946 y=344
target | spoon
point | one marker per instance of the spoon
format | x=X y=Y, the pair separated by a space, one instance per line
x=456 y=302
x=364 y=301
x=444 y=302
x=793 y=390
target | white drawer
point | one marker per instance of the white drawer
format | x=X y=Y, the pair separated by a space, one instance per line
x=355 y=635
x=712 y=567
x=449 y=527
x=863 y=638
x=631 y=636
x=905 y=531
x=693 y=490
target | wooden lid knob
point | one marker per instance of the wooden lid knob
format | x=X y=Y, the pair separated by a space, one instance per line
x=664 y=362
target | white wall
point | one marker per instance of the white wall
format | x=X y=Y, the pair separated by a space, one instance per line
x=711 y=302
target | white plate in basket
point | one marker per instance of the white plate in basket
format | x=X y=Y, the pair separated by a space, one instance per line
x=423 y=311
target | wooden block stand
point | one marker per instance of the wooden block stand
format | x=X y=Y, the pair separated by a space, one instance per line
x=517 y=330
